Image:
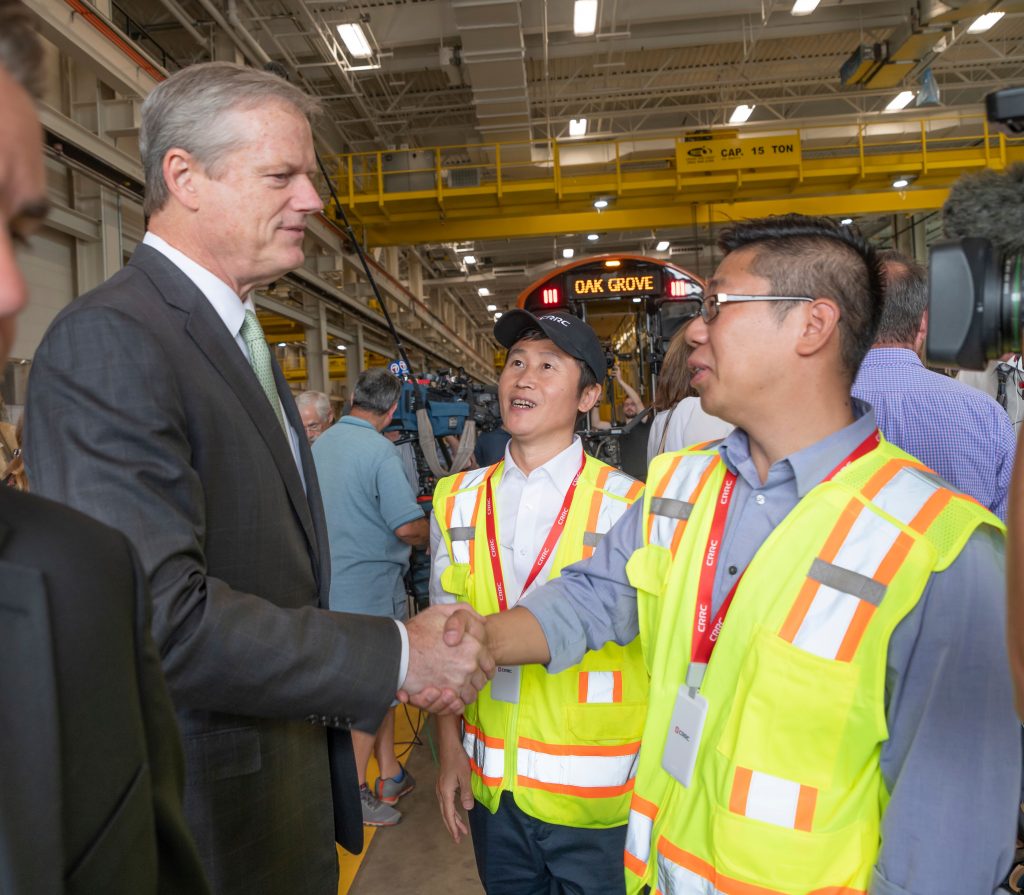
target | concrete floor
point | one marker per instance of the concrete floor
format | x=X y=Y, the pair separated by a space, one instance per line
x=418 y=856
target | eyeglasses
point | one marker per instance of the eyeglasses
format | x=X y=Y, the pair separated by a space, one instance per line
x=711 y=304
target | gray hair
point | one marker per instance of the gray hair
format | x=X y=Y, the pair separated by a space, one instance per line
x=906 y=299
x=21 y=53
x=376 y=390
x=188 y=111
x=317 y=400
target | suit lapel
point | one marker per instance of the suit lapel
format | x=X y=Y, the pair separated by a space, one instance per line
x=207 y=330
x=30 y=761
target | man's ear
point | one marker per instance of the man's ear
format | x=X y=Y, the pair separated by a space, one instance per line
x=591 y=395
x=181 y=172
x=922 y=334
x=818 y=322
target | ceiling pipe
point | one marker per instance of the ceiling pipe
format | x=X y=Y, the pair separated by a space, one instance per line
x=236 y=23
x=190 y=29
x=222 y=23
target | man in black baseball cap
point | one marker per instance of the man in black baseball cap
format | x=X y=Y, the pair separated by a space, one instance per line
x=569 y=333
x=538 y=510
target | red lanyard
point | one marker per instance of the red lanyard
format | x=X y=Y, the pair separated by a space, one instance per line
x=705 y=628
x=545 y=551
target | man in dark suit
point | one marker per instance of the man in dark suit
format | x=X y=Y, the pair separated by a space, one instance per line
x=156 y=406
x=91 y=769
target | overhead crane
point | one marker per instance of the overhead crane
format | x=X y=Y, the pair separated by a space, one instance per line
x=549 y=188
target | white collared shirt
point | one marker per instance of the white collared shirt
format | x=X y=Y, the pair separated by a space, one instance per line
x=229 y=307
x=527 y=506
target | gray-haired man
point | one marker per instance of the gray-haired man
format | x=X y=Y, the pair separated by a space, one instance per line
x=316 y=412
x=156 y=406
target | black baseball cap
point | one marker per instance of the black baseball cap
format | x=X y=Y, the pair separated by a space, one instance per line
x=567 y=331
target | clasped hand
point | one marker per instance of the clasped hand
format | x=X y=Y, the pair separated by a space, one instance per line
x=449 y=661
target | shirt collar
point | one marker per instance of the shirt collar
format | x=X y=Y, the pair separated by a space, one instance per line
x=357 y=421
x=808 y=466
x=561 y=468
x=879 y=357
x=219 y=294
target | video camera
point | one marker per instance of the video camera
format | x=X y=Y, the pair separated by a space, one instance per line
x=974 y=302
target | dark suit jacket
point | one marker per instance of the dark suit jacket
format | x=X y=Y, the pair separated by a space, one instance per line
x=91 y=768
x=143 y=412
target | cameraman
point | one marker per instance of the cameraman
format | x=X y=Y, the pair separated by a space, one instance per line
x=631 y=406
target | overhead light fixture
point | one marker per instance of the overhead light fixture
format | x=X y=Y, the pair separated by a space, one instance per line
x=470 y=259
x=662 y=246
x=900 y=101
x=613 y=262
x=497 y=316
x=577 y=127
x=804 y=7
x=568 y=253
x=593 y=237
x=354 y=38
x=492 y=308
x=900 y=183
x=845 y=222
x=600 y=203
x=483 y=291
x=983 y=23
x=282 y=344
x=584 y=18
x=637 y=300
x=341 y=347
x=741 y=113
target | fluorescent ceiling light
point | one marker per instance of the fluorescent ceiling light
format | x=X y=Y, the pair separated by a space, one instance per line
x=577 y=127
x=355 y=41
x=593 y=237
x=497 y=316
x=483 y=291
x=900 y=183
x=662 y=246
x=341 y=347
x=584 y=18
x=983 y=23
x=568 y=253
x=900 y=101
x=470 y=259
x=845 y=222
x=804 y=7
x=492 y=308
x=741 y=113
x=282 y=344
x=600 y=203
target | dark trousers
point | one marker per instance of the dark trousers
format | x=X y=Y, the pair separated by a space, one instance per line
x=519 y=855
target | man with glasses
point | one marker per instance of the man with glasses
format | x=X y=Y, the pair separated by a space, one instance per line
x=820 y=613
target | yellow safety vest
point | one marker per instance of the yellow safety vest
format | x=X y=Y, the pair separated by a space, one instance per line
x=787 y=795
x=567 y=751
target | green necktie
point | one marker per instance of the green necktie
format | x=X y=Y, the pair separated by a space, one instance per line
x=259 y=359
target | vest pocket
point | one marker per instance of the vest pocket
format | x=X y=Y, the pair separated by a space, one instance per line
x=456 y=579
x=761 y=853
x=611 y=723
x=789 y=712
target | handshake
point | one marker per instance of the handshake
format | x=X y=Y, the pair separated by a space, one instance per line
x=449 y=658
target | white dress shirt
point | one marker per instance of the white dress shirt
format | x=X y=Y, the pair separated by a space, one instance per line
x=527 y=506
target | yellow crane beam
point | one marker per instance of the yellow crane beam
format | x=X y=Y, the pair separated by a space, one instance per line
x=658 y=182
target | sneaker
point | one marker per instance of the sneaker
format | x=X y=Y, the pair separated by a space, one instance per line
x=375 y=812
x=389 y=790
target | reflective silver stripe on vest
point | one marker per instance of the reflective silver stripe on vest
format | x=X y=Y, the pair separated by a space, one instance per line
x=675 y=509
x=847 y=581
x=678 y=490
x=638 y=835
x=612 y=507
x=618 y=483
x=906 y=493
x=462 y=533
x=591 y=538
x=488 y=761
x=462 y=515
x=580 y=772
x=674 y=879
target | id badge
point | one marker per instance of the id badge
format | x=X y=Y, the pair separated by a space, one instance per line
x=684 y=733
x=505 y=684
